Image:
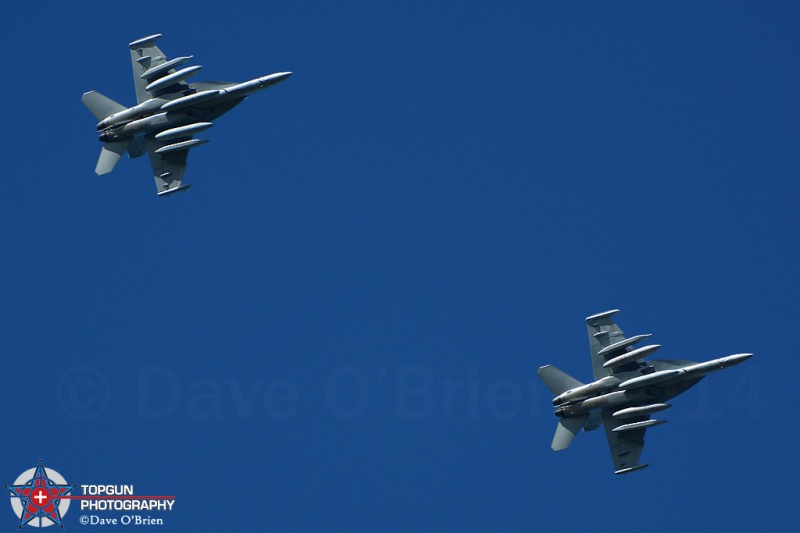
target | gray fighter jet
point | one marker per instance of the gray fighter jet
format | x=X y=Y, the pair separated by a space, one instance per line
x=168 y=114
x=626 y=390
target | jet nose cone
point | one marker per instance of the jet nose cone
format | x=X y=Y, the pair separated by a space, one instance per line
x=273 y=79
x=738 y=358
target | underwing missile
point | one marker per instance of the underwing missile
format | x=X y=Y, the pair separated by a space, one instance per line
x=175 y=77
x=631 y=412
x=638 y=425
x=631 y=356
x=183 y=131
x=164 y=67
x=184 y=145
x=621 y=345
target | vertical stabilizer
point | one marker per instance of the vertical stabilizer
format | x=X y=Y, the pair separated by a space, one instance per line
x=109 y=156
x=566 y=431
x=100 y=105
x=557 y=380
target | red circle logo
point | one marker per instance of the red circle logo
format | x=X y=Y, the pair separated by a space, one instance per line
x=40 y=497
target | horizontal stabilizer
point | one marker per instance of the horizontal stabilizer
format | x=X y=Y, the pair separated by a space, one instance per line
x=100 y=105
x=109 y=156
x=556 y=380
x=566 y=431
x=631 y=469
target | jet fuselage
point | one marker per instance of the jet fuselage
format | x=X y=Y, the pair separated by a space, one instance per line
x=203 y=101
x=656 y=383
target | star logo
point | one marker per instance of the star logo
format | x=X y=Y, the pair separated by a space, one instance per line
x=37 y=494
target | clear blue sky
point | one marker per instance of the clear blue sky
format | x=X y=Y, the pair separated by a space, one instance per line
x=339 y=326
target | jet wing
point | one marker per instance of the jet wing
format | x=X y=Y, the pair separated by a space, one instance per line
x=603 y=332
x=607 y=342
x=168 y=167
x=626 y=446
x=150 y=64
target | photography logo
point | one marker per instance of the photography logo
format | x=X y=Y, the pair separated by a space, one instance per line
x=37 y=497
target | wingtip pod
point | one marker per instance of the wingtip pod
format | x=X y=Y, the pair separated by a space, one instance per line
x=169 y=192
x=631 y=469
x=144 y=41
x=598 y=316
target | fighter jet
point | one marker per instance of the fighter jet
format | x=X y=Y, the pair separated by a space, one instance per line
x=169 y=112
x=626 y=390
